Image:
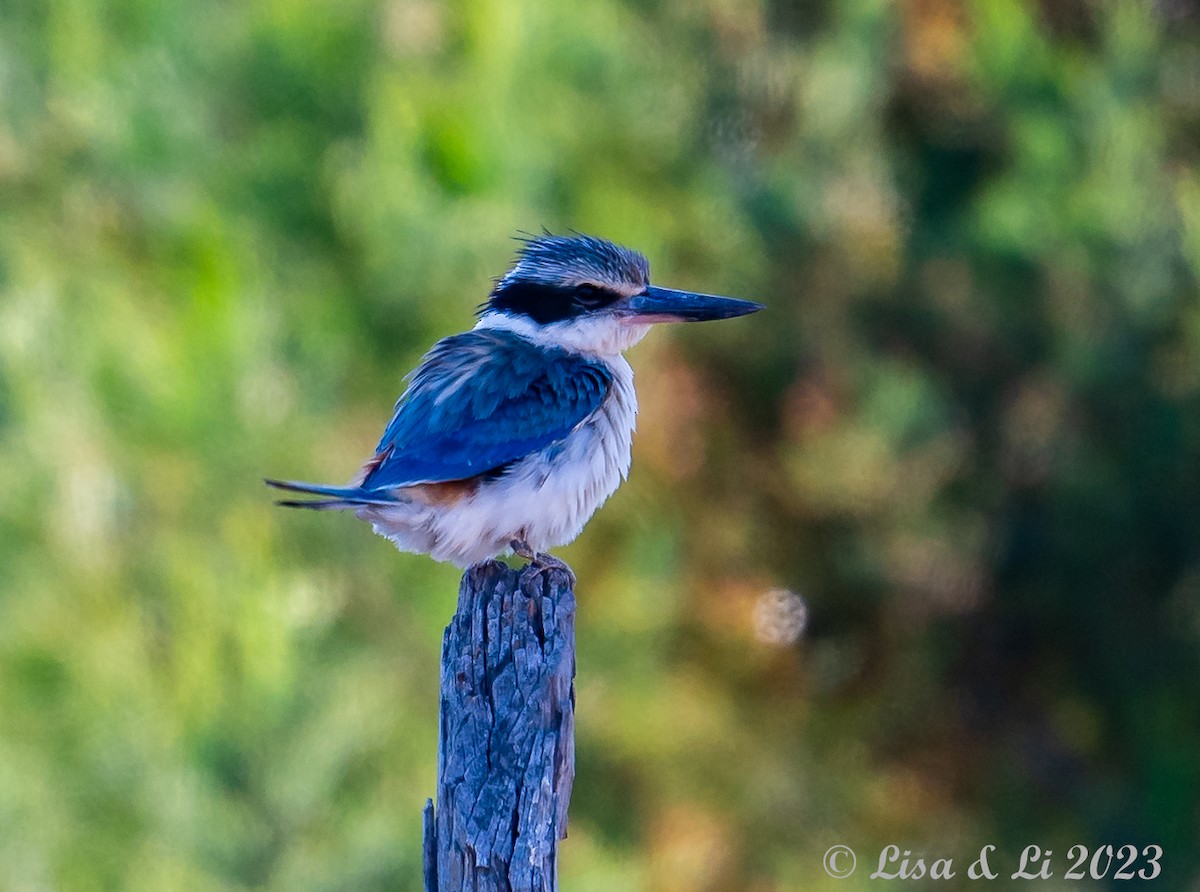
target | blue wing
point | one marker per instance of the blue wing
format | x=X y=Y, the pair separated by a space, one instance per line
x=480 y=400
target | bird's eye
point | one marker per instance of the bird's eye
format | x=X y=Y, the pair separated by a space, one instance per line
x=589 y=295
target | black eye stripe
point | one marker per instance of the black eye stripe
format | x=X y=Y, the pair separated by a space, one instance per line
x=549 y=303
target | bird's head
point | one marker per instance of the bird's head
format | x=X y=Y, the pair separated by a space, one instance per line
x=589 y=295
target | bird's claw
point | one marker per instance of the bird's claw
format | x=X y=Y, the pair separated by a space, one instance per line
x=521 y=549
x=540 y=561
x=544 y=562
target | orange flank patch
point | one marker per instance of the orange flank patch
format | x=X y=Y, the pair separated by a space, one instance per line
x=444 y=494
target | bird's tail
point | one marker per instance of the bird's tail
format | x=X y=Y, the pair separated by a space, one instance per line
x=338 y=497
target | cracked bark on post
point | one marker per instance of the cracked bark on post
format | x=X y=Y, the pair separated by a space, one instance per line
x=506 y=744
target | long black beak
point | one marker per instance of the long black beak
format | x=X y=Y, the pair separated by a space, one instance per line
x=666 y=305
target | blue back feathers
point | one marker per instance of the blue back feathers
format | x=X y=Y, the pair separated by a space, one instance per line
x=480 y=400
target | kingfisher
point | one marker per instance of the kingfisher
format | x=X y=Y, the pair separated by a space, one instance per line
x=510 y=436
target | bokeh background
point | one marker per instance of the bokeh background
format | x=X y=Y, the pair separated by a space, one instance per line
x=958 y=457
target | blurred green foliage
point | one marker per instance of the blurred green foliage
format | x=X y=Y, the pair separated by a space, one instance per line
x=967 y=431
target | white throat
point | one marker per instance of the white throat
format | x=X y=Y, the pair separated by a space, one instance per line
x=603 y=335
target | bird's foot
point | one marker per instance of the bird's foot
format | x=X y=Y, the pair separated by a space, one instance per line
x=543 y=563
x=540 y=560
x=521 y=549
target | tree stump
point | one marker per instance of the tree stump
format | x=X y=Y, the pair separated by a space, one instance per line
x=506 y=743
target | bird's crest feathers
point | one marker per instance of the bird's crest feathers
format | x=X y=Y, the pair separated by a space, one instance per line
x=554 y=278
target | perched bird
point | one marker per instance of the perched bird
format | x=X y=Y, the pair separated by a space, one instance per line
x=511 y=435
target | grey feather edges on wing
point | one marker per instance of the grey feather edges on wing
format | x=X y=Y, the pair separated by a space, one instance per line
x=480 y=400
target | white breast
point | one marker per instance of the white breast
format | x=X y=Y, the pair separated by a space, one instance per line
x=544 y=499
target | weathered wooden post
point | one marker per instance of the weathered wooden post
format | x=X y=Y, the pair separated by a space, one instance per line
x=506 y=744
